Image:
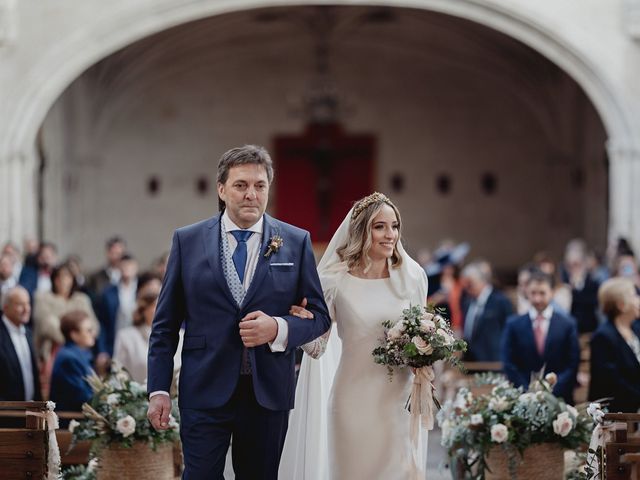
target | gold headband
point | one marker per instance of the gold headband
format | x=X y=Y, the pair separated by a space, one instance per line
x=375 y=197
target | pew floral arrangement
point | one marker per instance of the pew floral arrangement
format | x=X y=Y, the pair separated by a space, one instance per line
x=117 y=414
x=510 y=419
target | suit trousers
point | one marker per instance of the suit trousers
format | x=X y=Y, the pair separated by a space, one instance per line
x=258 y=437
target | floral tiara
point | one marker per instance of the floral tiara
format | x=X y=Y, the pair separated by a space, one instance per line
x=375 y=197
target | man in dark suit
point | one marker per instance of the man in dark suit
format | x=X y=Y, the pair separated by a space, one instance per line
x=232 y=279
x=485 y=311
x=116 y=305
x=541 y=338
x=110 y=273
x=38 y=277
x=18 y=368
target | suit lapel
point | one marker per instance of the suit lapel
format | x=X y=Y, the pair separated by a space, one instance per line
x=553 y=333
x=212 y=251
x=12 y=356
x=263 y=262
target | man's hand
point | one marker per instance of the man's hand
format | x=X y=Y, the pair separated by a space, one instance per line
x=159 y=410
x=257 y=328
x=301 y=310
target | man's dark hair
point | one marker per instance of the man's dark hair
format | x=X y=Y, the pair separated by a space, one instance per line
x=245 y=155
x=540 y=277
x=113 y=240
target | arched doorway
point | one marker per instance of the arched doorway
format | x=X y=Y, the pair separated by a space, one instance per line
x=449 y=101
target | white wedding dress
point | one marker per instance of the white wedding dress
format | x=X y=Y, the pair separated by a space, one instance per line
x=349 y=422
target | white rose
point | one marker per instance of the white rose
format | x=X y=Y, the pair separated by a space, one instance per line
x=499 y=433
x=595 y=412
x=395 y=332
x=113 y=399
x=573 y=411
x=476 y=419
x=73 y=424
x=551 y=378
x=427 y=316
x=427 y=326
x=423 y=347
x=563 y=424
x=498 y=404
x=126 y=426
x=448 y=340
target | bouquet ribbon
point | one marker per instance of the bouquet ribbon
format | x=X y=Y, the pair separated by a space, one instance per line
x=422 y=414
x=53 y=458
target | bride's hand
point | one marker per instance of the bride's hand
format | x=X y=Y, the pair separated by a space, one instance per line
x=300 y=310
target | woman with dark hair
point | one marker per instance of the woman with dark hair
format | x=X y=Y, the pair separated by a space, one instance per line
x=69 y=385
x=615 y=347
x=49 y=307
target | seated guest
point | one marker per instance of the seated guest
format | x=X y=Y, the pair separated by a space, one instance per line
x=49 y=307
x=541 y=338
x=69 y=386
x=132 y=343
x=18 y=368
x=485 y=311
x=615 y=347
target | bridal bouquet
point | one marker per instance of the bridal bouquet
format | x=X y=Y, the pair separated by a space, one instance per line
x=421 y=337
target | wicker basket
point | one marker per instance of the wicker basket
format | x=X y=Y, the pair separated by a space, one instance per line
x=541 y=461
x=138 y=462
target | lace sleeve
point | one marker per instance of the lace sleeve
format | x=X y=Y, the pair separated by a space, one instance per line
x=317 y=347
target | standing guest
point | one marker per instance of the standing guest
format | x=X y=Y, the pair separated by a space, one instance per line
x=69 y=385
x=541 y=338
x=18 y=368
x=37 y=278
x=117 y=305
x=584 y=290
x=485 y=312
x=627 y=267
x=13 y=251
x=615 y=347
x=109 y=274
x=7 y=280
x=49 y=307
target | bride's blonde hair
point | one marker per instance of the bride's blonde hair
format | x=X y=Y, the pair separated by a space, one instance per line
x=356 y=251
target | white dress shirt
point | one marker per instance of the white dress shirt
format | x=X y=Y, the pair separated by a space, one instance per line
x=279 y=344
x=18 y=336
x=127 y=304
x=547 y=313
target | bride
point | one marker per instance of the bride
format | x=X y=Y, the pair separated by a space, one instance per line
x=349 y=421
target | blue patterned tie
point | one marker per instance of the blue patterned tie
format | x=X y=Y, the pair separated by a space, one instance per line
x=239 y=257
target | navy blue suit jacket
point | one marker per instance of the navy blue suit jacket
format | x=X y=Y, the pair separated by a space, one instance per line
x=561 y=355
x=195 y=292
x=484 y=345
x=107 y=312
x=69 y=387
x=29 y=280
x=11 y=381
x=615 y=371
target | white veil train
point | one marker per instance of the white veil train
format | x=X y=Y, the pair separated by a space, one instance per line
x=306 y=453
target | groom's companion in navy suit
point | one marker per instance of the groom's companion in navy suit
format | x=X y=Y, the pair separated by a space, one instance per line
x=485 y=311
x=231 y=280
x=541 y=338
x=615 y=347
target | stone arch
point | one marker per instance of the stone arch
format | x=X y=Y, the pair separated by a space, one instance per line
x=72 y=55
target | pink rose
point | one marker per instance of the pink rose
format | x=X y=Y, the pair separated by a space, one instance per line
x=423 y=347
x=427 y=326
x=563 y=424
